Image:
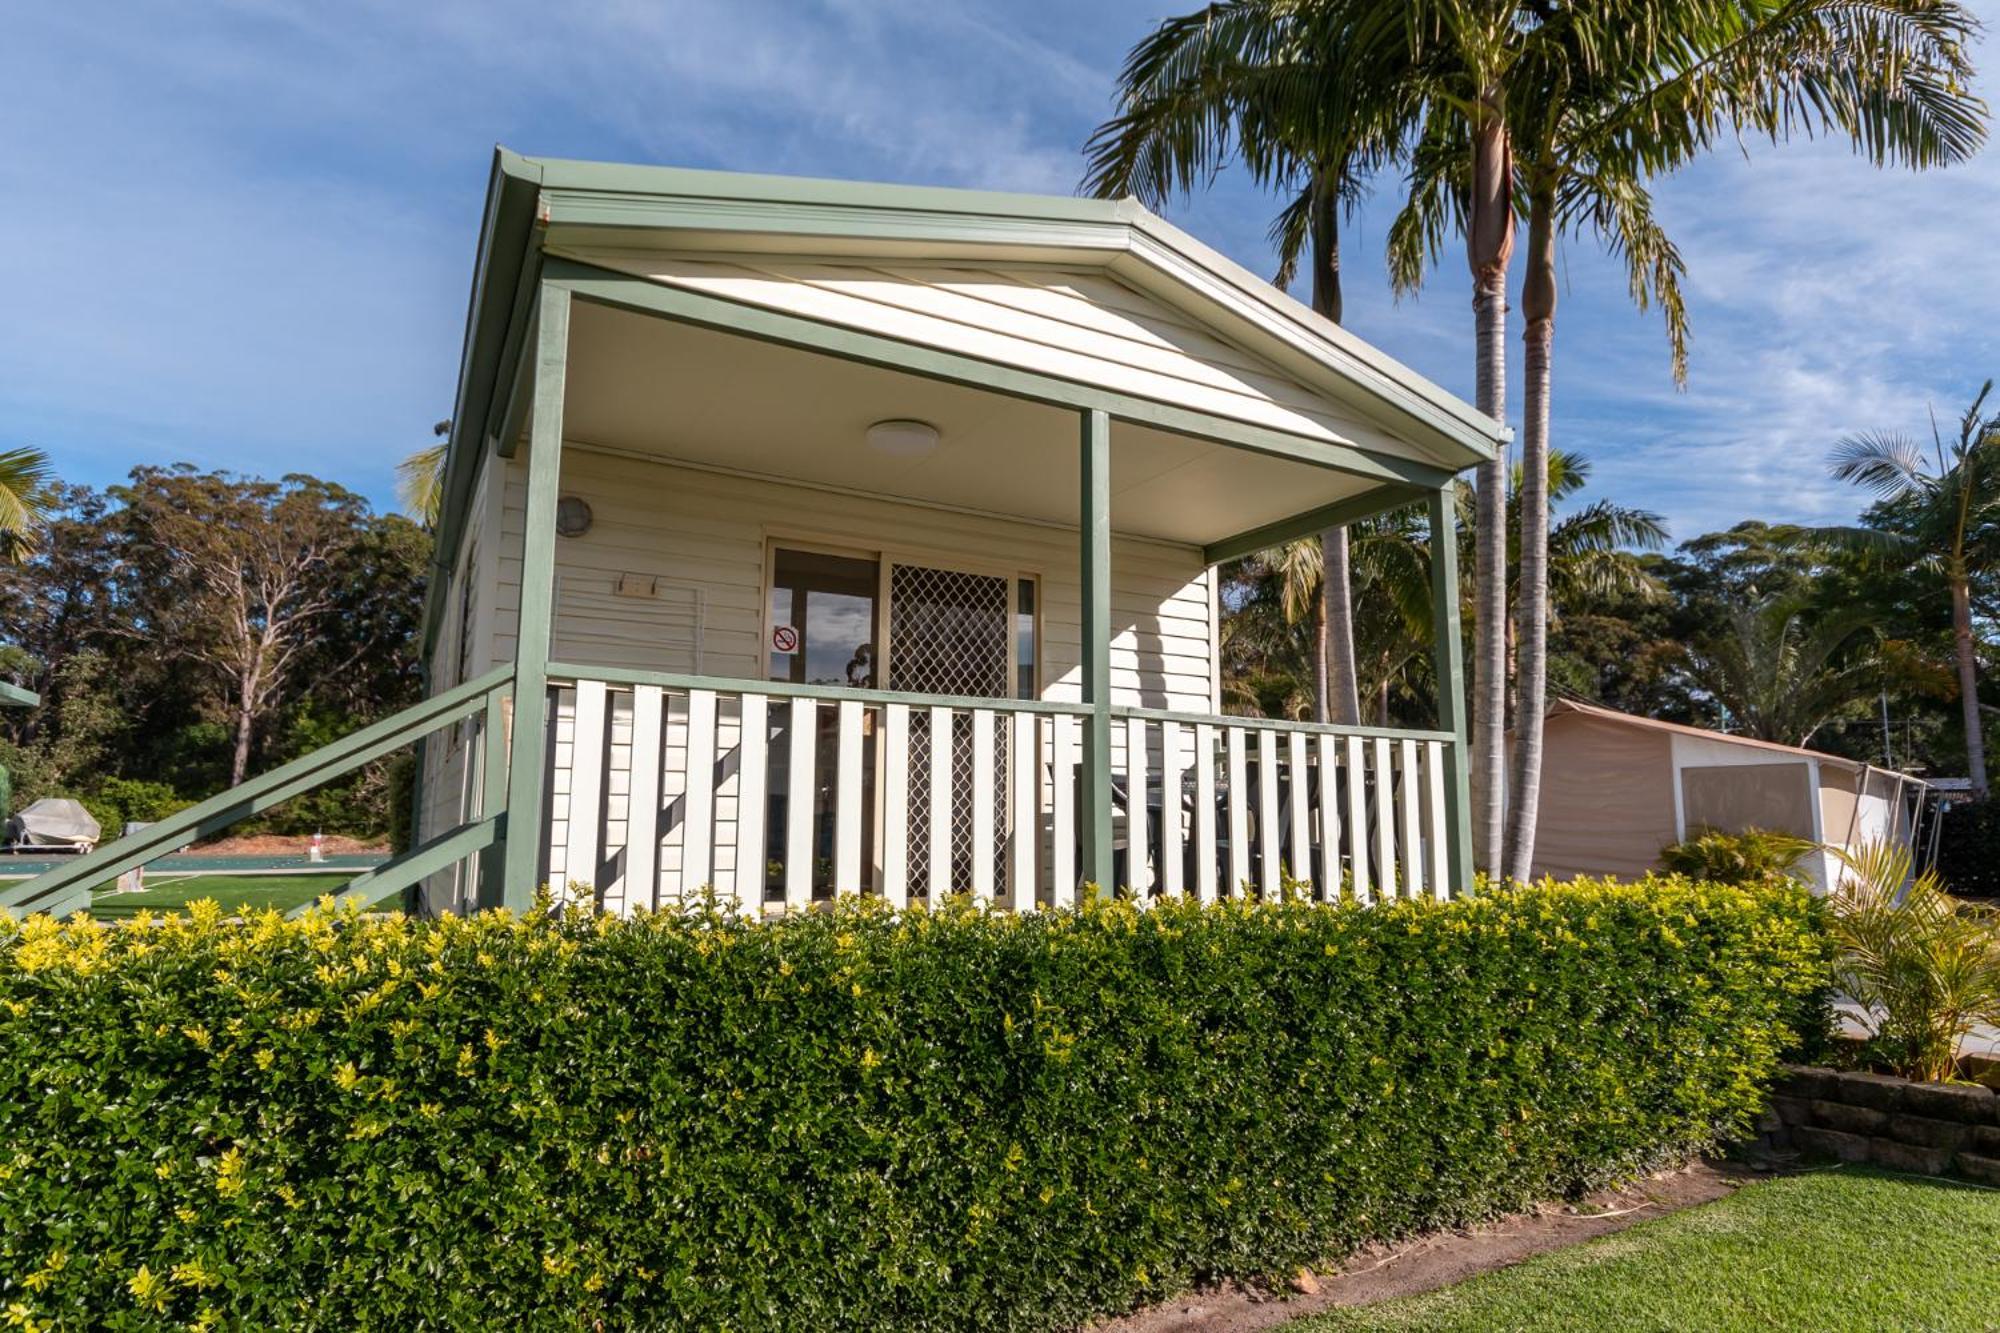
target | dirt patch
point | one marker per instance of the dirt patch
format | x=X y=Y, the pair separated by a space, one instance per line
x=1384 y=1272
x=272 y=844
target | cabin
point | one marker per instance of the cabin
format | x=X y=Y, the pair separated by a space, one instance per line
x=804 y=538
x=862 y=538
x=1617 y=788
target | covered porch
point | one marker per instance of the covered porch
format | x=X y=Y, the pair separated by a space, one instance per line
x=771 y=640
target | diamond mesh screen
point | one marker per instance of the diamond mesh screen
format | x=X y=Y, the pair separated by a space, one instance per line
x=948 y=635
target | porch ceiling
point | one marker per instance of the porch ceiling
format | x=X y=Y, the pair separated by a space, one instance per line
x=657 y=387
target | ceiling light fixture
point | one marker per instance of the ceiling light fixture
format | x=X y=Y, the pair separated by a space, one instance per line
x=903 y=439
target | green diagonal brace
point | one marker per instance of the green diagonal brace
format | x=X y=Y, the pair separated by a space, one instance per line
x=420 y=862
x=260 y=793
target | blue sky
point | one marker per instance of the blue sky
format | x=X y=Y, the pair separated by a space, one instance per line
x=241 y=233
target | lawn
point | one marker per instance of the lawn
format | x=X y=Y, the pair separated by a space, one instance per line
x=232 y=891
x=1838 y=1249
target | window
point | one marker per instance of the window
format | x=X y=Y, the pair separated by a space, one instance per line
x=822 y=618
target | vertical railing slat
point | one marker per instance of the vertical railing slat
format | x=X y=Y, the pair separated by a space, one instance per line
x=800 y=789
x=752 y=797
x=1204 y=812
x=1302 y=864
x=1138 y=842
x=698 y=822
x=847 y=801
x=1173 y=770
x=1024 y=777
x=586 y=784
x=1270 y=837
x=1436 y=838
x=982 y=805
x=941 y=796
x=642 y=805
x=896 y=804
x=1329 y=816
x=1385 y=820
x=1357 y=824
x=1410 y=805
x=1239 y=812
x=1062 y=764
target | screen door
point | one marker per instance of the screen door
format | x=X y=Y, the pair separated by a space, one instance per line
x=949 y=633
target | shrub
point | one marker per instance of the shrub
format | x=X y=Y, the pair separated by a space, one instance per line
x=1968 y=854
x=850 y=1119
x=1923 y=967
x=136 y=800
x=1753 y=856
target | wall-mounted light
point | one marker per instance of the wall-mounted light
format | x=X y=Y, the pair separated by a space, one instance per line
x=903 y=439
x=572 y=516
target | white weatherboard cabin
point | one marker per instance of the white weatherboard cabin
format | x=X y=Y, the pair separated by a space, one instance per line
x=832 y=538
x=804 y=538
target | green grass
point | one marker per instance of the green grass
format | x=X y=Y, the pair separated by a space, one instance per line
x=232 y=891
x=1828 y=1250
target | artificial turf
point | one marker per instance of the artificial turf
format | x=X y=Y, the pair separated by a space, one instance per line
x=233 y=892
x=1825 y=1250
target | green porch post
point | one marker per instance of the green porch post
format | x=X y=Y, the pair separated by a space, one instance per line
x=1096 y=657
x=1448 y=664
x=531 y=645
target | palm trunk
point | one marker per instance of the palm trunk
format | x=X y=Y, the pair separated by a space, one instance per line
x=1489 y=245
x=1320 y=691
x=1339 y=698
x=1968 y=684
x=1538 y=310
x=1343 y=698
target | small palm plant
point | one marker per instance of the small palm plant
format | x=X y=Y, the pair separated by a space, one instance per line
x=1753 y=856
x=1923 y=966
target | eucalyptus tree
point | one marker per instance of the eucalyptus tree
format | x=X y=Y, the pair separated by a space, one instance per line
x=27 y=490
x=1287 y=89
x=1949 y=506
x=1600 y=98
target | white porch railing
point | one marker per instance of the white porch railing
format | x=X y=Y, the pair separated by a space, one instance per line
x=661 y=786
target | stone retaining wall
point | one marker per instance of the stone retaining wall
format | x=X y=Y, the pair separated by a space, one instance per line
x=1931 y=1129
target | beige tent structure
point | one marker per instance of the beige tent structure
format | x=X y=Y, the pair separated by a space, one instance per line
x=1617 y=788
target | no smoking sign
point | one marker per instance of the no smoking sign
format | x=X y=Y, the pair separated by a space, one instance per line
x=784 y=639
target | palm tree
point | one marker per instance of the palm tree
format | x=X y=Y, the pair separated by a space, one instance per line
x=1950 y=504
x=420 y=478
x=1277 y=85
x=1783 y=668
x=1593 y=553
x=27 y=490
x=1599 y=99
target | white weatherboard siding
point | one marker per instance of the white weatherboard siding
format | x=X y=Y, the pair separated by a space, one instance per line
x=1082 y=326
x=705 y=536
x=706 y=532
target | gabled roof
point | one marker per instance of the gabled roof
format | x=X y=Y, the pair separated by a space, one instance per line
x=580 y=209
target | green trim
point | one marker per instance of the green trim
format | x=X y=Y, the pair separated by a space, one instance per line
x=674 y=680
x=1448 y=665
x=413 y=866
x=503 y=288
x=492 y=868
x=258 y=794
x=1279 y=724
x=527 y=826
x=1095 y=556
x=13 y=696
x=1336 y=515
x=626 y=292
x=696 y=208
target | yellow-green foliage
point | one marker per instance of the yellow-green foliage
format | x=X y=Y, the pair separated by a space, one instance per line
x=851 y=1119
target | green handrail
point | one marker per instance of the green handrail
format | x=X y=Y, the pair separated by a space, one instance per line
x=59 y=888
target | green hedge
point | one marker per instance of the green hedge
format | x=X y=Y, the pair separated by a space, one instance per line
x=843 y=1120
